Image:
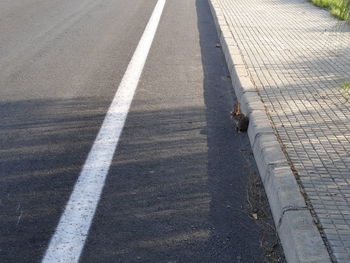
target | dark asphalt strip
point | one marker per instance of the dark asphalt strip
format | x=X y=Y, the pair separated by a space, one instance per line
x=176 y=190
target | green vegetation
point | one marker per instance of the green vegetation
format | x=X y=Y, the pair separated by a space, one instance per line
x=345 y=86
x=338 y=8
x=345 y=90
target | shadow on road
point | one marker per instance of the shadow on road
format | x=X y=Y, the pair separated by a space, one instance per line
x=43 y=146
x=176 y=192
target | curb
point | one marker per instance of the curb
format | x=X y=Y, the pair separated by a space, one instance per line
x=300 y=238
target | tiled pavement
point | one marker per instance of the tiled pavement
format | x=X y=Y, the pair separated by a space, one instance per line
x=298 y=57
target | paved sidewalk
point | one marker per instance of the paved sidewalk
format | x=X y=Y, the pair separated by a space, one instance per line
x=298 y=56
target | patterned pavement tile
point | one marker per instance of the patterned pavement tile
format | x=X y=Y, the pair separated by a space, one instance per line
x=298 y=57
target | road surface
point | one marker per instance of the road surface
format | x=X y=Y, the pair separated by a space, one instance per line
x=175 y=189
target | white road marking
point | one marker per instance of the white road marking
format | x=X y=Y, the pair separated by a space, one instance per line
x=68 y=241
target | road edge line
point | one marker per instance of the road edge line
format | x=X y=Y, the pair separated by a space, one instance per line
x=67 y=243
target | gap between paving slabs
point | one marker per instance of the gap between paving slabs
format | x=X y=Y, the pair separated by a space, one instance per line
x=300 y=238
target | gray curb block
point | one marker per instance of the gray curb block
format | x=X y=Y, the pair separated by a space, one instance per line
x=298 y=233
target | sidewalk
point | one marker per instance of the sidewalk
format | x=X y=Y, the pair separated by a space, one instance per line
x=294 y=57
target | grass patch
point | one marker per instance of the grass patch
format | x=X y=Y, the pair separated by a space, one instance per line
x=338 y=8
x=345 y=86
x=345 y=90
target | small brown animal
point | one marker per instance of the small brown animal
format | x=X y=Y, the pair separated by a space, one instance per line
x=240 y=121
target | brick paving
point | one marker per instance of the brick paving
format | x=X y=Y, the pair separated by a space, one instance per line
x=298 y=57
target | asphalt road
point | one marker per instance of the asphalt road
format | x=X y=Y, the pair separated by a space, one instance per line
x=176 y=189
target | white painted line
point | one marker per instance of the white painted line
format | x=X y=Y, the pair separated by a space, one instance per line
x=68 y=241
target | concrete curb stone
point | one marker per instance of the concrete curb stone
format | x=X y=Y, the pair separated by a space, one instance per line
x=298 y=233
